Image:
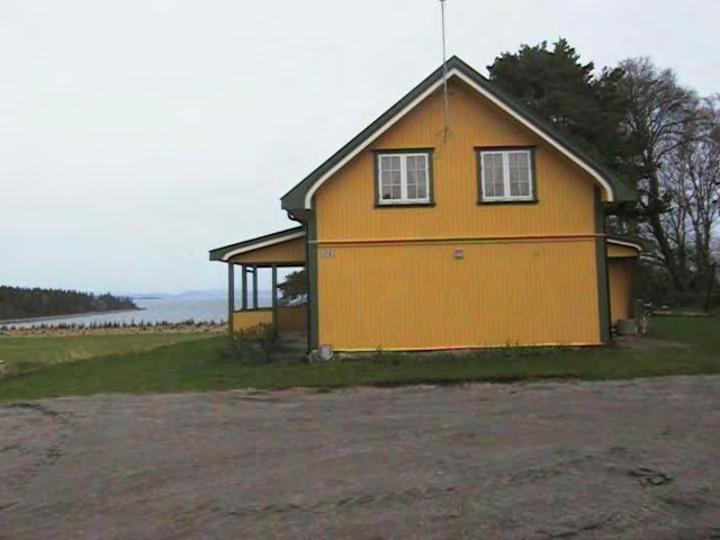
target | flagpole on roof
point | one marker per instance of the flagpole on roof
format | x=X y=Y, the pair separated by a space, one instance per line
x=444 y=59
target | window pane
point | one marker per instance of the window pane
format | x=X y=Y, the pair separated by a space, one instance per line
x=412 y=178
x=422 y=190
x=417 y=177
x=390 y=178
x=519 y=165
x=492 y=174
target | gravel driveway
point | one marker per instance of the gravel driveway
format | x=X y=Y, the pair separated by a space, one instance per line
x=628 y=459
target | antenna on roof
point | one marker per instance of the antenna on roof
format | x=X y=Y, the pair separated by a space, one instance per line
x=446 y=128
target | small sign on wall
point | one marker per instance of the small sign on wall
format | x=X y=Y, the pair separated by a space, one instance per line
x=327 y=253
x=459 y=254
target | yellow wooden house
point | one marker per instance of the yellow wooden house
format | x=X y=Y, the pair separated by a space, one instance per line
x=448 y=227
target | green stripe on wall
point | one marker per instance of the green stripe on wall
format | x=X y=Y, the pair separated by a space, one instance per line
x=312 y=266
x=602 y=271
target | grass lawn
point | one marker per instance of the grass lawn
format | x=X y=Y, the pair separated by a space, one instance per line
x=199 y=364
x=29 y=353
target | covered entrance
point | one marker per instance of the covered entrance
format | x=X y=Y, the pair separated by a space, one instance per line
x=622 y=257
x=251 y=261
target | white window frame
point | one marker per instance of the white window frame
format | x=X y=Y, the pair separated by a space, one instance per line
x=507 y=197
x=404 y=199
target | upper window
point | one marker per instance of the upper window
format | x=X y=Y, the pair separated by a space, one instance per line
x=506 y=175
x=403 y=178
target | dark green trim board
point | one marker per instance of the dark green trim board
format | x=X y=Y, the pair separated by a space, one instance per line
x=478 y=171
x=255 y=287
x=312 y=273
x=274 y=297
x=266 y=309
x=217 y=254
x=244 y=289
x=295 y=198
x=308 y=307
x=431 y=177
x=633 y=289
x=408 y=150
x=231 y=296
x=602 y=270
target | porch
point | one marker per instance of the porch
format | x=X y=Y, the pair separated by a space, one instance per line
x=252 y=258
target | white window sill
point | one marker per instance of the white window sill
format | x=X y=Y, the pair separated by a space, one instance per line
x=405 y=203
x=485 y=200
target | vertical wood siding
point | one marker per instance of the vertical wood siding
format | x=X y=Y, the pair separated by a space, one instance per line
x=615 y=250
x=290 y=319
x=422 y=297
x=620 y=274
x=345 y=203
x=245 y=320
x=407 y=295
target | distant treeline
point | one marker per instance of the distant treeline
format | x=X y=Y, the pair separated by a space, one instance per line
x=19 y=302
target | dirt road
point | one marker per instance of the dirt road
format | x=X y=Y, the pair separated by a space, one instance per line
x=630 y=459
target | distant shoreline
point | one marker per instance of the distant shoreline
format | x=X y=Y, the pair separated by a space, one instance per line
x=5 y=322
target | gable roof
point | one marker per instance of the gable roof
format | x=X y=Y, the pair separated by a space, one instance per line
x=225 y=253
x=300 y=196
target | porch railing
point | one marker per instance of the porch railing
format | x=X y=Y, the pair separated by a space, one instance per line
x=289 y=318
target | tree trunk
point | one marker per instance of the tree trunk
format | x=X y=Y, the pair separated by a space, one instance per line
x=670 y=262
x=710 y=287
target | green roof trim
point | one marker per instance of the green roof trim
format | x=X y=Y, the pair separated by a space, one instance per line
x=295 y=198
x=218 y=254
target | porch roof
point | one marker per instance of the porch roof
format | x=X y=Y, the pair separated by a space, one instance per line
x=281 y=248
x=623 y=246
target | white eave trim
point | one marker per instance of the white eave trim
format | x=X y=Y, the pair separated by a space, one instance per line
x=624 y=243
x=610 y=195
x=252 y=247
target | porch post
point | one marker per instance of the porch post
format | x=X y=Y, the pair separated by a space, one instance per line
x=255 y=287
x=275 y=297
x=244 y=287
x=231 y=296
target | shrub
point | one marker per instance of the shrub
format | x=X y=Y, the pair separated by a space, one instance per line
x=254 y=344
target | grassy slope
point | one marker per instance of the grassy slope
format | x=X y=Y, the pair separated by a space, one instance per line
x=27 y=353
x=199 y=365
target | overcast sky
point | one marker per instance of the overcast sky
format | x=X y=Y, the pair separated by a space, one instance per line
x=135 y=135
